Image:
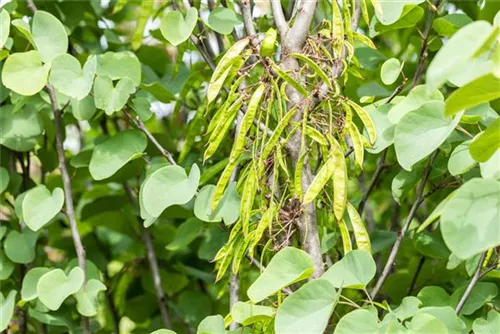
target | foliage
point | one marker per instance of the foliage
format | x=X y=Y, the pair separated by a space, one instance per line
x=249 y=166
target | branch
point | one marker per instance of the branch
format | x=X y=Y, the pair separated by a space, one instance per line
x=356 y=15
x=68 y=193
x=153 y=263
x=31 y=5
x=141 y=126
x=300 y=29
x=420 y=265
x=472 y=284
x=234 y=292
x=395 y=249
x=423 y=51
x=279 y=17
x=380 y=167
x=246 y=12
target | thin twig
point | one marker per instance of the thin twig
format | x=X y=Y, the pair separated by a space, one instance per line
x=153 y=263
x=420 y=265
x=425 y=45
x=68 y=193
x=141 y=126
x=246 y=12
x=395 y=248
x=472 y=284
x=380 y=167
x=279 y=17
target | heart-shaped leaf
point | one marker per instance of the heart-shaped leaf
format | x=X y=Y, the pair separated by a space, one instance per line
x=4 y=179
x=168 y=186
x=112 y=154
x=247 y=314
x=30 y=281
x=288 y=266
x=24 y=73
x=415 y=99
x=461 y=161
x=355 y=270
x=6 y=266
x=109 y=97
x=120 y=65
x=83 y=109
x=86 y=297
x=228 y=207
x=469 y=222
x=7 y=309
x=4 y=27
x=55 y=286
x=390 y=71
x=489 y=325
x=20 y=246
x=21 y=130
x=50 y=36
x=422 y=131
x=40 y=206
x=67 y=76
x=223 y=20
x=358 y=321
x=308 y=309
x=177 y=29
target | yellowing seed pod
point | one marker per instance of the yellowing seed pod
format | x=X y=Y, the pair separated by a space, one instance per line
x=269 y=43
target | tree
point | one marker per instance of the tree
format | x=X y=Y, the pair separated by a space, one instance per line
x=250 y=167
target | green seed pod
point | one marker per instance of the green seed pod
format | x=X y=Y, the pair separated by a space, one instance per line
x=269 y=43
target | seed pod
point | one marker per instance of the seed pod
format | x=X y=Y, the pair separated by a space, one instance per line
x=269 y=43
x=360 y=233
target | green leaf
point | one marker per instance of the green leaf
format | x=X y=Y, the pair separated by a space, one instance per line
x=86 y=297
x=112 y=154
x=20 y=246
x=422 y=131
x=223 y=20
x=168 y=186
x=24 y=73
x=213 y=324
x=4 y=179
x=49 y=35
x=4 y=27
x=469 y=222
x=355 y=270
x=83 y=109
x=448 y=316
x=120 y=65
x=457 y=52
x=175 y=28
x=30 y=281
x=408 y=307
x=390 y=70
x=21 y=130
x=109 y=97
x=482 y=293
x=436 y=213
x=247 y=314
x=228 y=207
x=40 y=206
x=434 y=296
x=288 y=266
x=426 y=323
x=404 y=182
x=6 y=266
x=55 y=286
x=7 y=309
x=390 y=12
x=411 y=15
x=431 y=246
x=481 y=90
x=489 y=325
x=160 y=92
x=449 y=24
x=461 y=161
x=308 y=309
x=67 y=76
x=163 y=331
x=186 y=233
x=491 y=168
x=415 y=99
x=383 y=127
x=484 y=145
x=358 y=321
